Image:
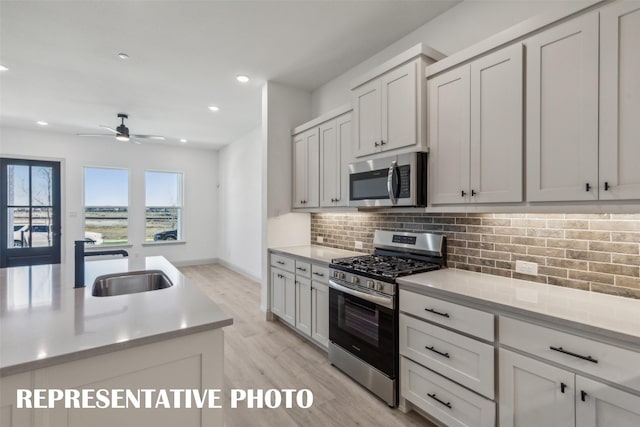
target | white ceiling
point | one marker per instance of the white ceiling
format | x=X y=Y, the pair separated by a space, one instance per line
x=184 y=56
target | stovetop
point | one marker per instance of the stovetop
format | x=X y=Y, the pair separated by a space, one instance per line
x=385 y=266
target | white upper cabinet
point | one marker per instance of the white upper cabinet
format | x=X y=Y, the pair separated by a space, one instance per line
x=399 y=99
x=306 y=169
x=475 y=131
x=496 y=127
x=620 y=101
x=389 y=104
x=449 y=125
x=335 y=144
x=385 y=111
x=562 y=112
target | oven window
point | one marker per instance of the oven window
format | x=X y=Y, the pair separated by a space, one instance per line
x=359 y=320
x=369 y=185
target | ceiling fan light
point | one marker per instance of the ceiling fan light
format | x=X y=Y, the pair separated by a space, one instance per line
x=124 y=138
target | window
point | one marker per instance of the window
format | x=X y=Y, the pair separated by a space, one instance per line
x=106 y=206
x=163 y=206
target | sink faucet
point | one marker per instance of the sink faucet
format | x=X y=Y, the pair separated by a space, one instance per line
x=79 y=260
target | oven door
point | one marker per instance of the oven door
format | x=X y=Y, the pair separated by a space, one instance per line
x=365 y=325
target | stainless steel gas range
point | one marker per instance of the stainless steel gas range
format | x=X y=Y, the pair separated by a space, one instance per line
x=363 y=306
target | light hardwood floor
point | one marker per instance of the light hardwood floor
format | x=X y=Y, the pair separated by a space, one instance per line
x=263 y=354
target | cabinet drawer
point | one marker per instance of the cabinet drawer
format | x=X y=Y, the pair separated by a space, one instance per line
x=283 y=262
x=450 y=403
x=609 y=362
x=320 y=274
x=303 y=269
x=474 y=322
x=464 y=360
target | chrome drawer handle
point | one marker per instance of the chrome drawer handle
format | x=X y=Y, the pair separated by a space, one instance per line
x=579 y=356
x=431 y=310
x=432 y=348
x=433 y=396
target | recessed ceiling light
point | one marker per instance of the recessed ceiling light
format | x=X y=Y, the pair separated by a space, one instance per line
x=214 y=108
x=184 y=141
x=242 y=78
x=41 y=123
x=123 y=56
x=3 y=68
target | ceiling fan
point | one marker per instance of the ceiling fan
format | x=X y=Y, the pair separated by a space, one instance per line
x=121 y=133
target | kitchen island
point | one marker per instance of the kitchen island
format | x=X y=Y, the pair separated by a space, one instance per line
x=53 y=336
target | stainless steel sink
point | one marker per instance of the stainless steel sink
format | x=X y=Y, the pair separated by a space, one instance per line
x=130 y=283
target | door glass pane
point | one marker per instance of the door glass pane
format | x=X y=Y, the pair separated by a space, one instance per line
x=41 y=185
x=17 y=227
x=42 y=227
x=17 y=185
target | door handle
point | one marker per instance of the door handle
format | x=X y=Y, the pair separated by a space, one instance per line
x=392 y=171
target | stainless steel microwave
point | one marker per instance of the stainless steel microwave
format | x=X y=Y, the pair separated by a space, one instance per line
x=391 y=181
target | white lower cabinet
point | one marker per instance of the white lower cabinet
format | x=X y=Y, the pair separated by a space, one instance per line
x=598 y=405
x=444 y=400
x=301 y=298
x=303 y=305
x=533 y=393
x=320 y=313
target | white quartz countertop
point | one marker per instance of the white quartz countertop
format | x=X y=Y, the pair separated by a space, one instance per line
x=317 y=253
x=610 y=316
x=45 y=321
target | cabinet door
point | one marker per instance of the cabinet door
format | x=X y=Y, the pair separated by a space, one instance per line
x=277 y=291
x=366 y=118
x=598 y=405
x=496 y=127
x=300 y=157
x=320 y=313
x=620 y=101
x=329 y=164
x=449 y=136
x=343 y=131
x=289 y=299
x=562 y=112
x=303 y=305
x=313 y=168
x=399 y=108
x=534 y=394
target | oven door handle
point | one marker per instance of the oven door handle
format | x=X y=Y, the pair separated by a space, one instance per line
x=376 y=299
x=390 y=175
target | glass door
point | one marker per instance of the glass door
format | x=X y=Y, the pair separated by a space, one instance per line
x=30 y=212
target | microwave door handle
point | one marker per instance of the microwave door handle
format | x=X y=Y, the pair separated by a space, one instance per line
x=392 y=171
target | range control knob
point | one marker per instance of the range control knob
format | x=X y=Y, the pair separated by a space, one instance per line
x=338 y=275
x=355 y=280
x=379 y=286
x=370 y=284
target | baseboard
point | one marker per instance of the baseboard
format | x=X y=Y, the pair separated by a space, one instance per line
x=239 y=270
x=190 y=262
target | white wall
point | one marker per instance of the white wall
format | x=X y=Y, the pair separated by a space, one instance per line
x=200 y=168
x=461 y=26
x=240 y=205
x=283 y=108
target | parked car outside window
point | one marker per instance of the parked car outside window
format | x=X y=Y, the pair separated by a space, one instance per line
x=166 y=235
x=42 y=236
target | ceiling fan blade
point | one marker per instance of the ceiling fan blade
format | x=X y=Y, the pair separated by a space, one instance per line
x=108 y=128
x=135 y=141
x=94 y=134
x=148 y=136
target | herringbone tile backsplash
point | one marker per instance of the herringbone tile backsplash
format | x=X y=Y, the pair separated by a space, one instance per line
x=595 y=252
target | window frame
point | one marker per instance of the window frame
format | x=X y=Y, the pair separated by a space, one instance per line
x=128 y=243
x=181 y=222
